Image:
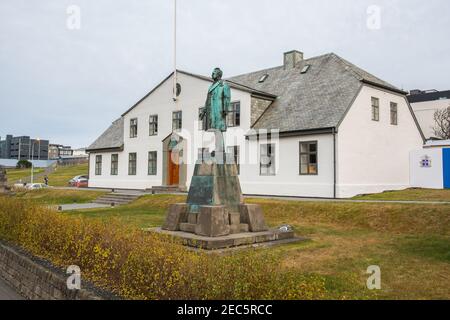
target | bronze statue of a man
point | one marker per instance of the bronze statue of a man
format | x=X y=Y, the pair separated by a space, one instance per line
x=217 y=104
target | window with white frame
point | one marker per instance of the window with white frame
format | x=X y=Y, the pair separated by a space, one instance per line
x=98 y=165
x=132 y=162
x=394 y=114
x=177 y=120
x=133 y=127
x=234 y=115
x=153 y=125
x=375 y=109
x=308 y=158
x=267 y=159
x=114 y=164
x=152 y=163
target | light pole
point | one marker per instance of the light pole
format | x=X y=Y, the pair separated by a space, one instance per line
x=32 y=158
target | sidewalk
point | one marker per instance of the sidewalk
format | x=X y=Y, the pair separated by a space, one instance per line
x=82 y=206
x=347 y=200
x=142 y=192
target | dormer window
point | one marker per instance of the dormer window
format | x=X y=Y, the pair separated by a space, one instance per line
x=305 y=69
x=263 y=78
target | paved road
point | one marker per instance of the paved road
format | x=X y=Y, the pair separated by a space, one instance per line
x=7 y=293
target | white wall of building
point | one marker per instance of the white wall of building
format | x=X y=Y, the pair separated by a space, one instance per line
x=288 y=181
x=430 y=177
x=424 y=112
x=160 y=102
x=373 y=156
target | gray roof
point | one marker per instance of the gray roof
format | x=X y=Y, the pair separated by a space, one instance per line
x=316 y=99
x=112 y=138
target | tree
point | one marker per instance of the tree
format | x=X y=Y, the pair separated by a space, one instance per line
x=442 y=123
x=23 y=164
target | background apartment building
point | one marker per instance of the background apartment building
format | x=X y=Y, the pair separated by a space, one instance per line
x=23 y=148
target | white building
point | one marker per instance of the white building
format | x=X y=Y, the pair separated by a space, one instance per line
x=425 y=104
x=336 y=131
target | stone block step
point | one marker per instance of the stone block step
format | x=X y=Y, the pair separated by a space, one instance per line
x=233 y=240
x=164 y=189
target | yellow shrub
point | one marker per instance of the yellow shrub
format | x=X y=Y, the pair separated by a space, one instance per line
x=139 y=265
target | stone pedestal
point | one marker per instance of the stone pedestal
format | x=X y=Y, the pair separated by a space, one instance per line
x=252 y=215
x=215 y=183
x=177 y=214
x=215 y=216
x=213 y=221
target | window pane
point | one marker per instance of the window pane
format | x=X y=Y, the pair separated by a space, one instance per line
x=308 y=158
x=152 y=163
x=304 y=169
x=153 y=125
x=132 y=164
x=304 y=159
x=176 y=122
x=267 y=159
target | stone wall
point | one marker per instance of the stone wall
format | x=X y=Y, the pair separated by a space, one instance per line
x=38 y=280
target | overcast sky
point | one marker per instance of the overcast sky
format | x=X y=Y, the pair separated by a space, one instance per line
x=68 y=85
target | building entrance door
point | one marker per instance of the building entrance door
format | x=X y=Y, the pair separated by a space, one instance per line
x=174 y=168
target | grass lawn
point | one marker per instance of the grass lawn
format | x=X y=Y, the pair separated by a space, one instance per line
x=410 y=242
x=409 y=195
x=61 y=176
x=58 y=178
x=54 y=196
x=14 y=175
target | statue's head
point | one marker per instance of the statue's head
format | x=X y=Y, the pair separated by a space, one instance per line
x=217 y=74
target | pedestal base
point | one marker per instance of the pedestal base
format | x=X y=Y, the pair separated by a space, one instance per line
x=264 y=238
x=214 y=215
x=215 y=221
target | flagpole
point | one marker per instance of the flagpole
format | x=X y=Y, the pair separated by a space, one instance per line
x=175 y=53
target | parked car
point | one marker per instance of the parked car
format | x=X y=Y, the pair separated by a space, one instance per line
x=81 y=183
x=36 y=186
x=19 y=186
x=73 y=182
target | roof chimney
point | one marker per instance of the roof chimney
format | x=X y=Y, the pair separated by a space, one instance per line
x=291 y=58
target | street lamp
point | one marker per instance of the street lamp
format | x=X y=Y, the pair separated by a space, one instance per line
x=32 y=158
